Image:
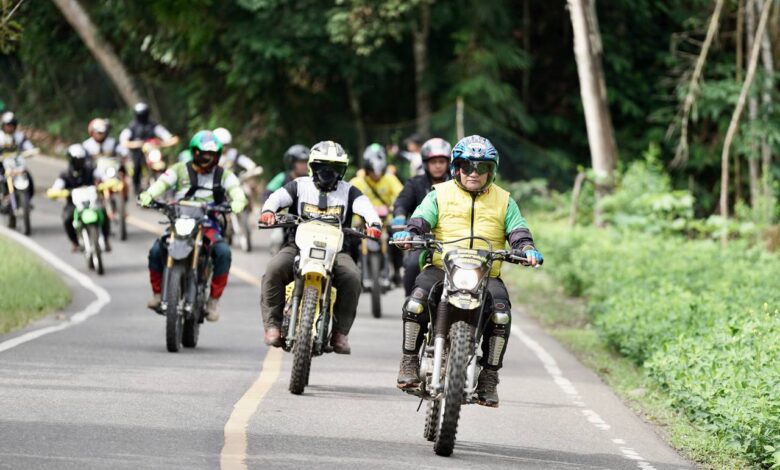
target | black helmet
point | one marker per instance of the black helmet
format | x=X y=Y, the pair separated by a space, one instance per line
x=375 y=159
x=77 y=158
x=141 y=112
x=296 y=153
x=9 y=118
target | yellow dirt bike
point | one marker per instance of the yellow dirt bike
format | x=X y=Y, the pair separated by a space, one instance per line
x=308 y=312
x=16 y=202
x=114 y=191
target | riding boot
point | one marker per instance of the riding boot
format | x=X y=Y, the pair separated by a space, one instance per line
x=487 y=395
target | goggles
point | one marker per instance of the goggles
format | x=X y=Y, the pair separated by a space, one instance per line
x=468 y=167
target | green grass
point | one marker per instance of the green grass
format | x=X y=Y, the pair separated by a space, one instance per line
x=568 y=320
x=29 y=289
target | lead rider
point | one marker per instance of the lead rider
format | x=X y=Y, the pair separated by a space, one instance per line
x=469 y=205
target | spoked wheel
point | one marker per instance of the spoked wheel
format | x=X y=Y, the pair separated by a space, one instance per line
x=122 y=212
x=174 y=319
x=375 y=271
x=299 y=376
x=26 y=208
x=454 y=384
x=96 y=255
x=87 y=242
x=431 y=420
x=192 y=323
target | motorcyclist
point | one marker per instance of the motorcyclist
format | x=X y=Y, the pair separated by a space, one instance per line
x=435 y=159
x=80 y=172
x=13 y=140
x=468 y=205
x=203 y=180
x=231 y=158
x=138 y=131
x=296 y=164
x=382 y=189
x=324 y=192
x=101 y=145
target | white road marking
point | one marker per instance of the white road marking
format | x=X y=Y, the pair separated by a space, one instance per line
x=568 y=388
x=102 y=298
x=233 y=456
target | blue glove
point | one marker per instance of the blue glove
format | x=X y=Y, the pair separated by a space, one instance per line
x=534 y=257
x=404 y=235
x=398 y=220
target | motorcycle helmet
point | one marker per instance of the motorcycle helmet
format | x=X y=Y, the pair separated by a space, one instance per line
x=480 y=152
x=9 y=119
x=375 y=159
x=141 y=112
x=206 y=149
x=77 y=158
x=327 y=164
x=224 y=136
x=98 y=129
x=296 y=153
x=434 y=148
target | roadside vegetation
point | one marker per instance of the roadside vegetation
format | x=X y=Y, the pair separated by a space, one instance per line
x=28 y=288
x=696 y=327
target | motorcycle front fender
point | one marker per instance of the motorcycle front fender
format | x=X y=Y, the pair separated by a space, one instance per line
x=89 y=216
x=179 y=249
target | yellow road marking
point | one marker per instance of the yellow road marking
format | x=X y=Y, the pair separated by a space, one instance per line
x=156 y=229
x=233 y=456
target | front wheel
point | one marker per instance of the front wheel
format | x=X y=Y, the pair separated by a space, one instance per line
x=454 y=385
x=174 y=319
x=375 y=271
x=122 y=217
x=245 y=237
x=299 y=376
x=95 y=253
x=26 y=208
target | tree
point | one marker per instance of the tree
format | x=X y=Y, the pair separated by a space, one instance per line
x=101 y=50
x=601 y=135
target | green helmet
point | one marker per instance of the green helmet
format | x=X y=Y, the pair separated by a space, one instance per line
x=206 y=149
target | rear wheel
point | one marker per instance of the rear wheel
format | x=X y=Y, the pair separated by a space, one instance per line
x=174 y=320
x=191 y=332
x=96 y=255
x=454 y=384
x=299 y=376
x=375 y=271
x=431 y=420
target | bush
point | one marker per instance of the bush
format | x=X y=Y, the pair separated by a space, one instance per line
x=702 y=321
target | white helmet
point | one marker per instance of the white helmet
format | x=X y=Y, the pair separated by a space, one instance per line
x=223 y=135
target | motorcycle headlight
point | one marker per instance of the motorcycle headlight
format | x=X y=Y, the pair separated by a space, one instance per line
x=110 y=172
x=465 y=279
x=184 y=227
x=155 y=156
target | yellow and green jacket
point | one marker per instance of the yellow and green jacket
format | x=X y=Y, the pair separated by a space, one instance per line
x=449 y=213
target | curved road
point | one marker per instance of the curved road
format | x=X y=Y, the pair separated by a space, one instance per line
x=104 y=393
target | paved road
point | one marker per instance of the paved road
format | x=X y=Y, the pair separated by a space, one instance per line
x=105 y=394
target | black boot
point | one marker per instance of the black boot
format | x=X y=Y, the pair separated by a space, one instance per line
x=486 y=388
x=407 y=375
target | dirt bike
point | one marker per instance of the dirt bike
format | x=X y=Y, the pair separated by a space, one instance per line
x=17 y=198
x=450 y=356
x=114 y=190
x=88 y=219
x=188 y=270
x=308 y=312
x=238 y=224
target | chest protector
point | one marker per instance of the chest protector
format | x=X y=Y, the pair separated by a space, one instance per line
x=463 y=215
x=216 y=185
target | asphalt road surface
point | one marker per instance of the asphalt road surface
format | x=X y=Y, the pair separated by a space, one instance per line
x=104 y=393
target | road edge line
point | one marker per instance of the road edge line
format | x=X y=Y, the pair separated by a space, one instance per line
x=233 y=454
x=102 y=298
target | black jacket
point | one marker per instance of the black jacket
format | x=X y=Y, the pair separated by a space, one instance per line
x=415 y=190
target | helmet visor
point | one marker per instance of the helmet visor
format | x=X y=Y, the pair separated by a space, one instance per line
x=468 y=167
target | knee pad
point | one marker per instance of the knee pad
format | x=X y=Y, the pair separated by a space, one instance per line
x=500 y=318
x=415 y=307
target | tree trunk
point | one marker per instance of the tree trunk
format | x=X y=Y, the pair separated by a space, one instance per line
x=357 y=115
x=101 y=50
x=423 y=97
x=733 y=125
x=681 y=154
x=750 y=20
x=740 y=51
x=766 y=99
x=601 y=135
x=526 y=84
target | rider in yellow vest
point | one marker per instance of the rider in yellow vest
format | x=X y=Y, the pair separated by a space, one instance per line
x=382 y=188
x=469 y=205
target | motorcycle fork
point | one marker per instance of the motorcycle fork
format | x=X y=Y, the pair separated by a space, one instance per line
x=9 y=180
x=166 y=277
x=295 y=310
x=323 y=321
x=440 y=339
x=107 y=198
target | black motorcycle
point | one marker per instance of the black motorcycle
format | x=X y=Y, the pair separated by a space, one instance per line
x=450 y=356
x=188 y=270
